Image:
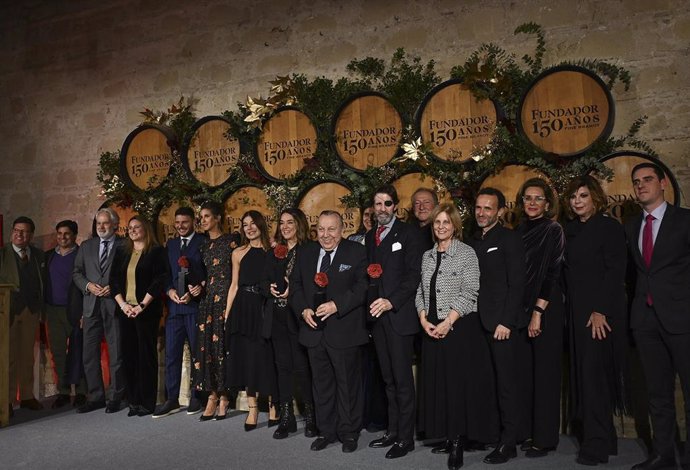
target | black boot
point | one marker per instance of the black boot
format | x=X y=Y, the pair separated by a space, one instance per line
x=455 y=455
x=287 y=423
x=310 y=429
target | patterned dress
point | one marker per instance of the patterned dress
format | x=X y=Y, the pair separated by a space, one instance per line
x=209 y=357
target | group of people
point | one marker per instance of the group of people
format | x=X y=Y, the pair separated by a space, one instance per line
x=492 y=311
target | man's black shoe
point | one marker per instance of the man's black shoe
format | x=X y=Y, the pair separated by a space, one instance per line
x=442 y=448
x=320 y=443
x=112 y=407
x=387 y=440
x=90 y=406
x=349 y=445
x=166 y=409
x=501 y=454
x=400 y=449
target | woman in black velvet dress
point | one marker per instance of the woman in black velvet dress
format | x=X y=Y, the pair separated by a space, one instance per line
x=542 y=326
x=595 y=261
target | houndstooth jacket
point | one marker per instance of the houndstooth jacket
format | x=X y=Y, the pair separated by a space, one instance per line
x=457 y=282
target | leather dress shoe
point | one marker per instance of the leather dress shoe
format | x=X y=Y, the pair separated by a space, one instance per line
x=60 y=401
x=90 y=406
x=386 y=440
x=656 y=462
x=400 y=449
x=31 y=404
x=526 y=444
x=501 y=454
x=536 y=452
x=320 y=443
x=442 y=448
x=112 y=407
x=349 y=445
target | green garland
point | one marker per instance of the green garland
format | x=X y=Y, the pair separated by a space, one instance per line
x=490 y=73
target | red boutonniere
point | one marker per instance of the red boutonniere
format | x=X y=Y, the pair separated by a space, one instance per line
x=321 y=279
x=280 y=251
x=183 y=262
x=374 y=270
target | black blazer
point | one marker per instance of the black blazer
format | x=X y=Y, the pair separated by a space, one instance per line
x=501 y=255
x=151 y=275
x=400 y=256
x=668 y=277
x=75 y=297
x=274 y=267
x=347 y=288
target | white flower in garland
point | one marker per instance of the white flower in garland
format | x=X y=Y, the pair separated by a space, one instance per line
x=414 y=150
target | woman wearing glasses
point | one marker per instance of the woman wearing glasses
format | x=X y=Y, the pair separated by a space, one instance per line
x=137 y=280
x=542 y=324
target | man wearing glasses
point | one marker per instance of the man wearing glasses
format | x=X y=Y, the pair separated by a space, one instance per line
x=22 y=266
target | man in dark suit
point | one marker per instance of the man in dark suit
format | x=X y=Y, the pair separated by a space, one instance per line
x=183 y=307
x=334 y=330
x=64 y=305
x=659 y=242
x=397 y=247
x=92 y=276
x=424 y=201
x=501 y=255
x=23 y=267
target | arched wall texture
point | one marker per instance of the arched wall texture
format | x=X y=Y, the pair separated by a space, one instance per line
x=74 y=75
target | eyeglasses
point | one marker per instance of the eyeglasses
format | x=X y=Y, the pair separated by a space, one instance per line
x=539 y=199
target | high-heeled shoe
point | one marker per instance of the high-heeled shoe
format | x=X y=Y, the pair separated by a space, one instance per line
x=251 y=426
x=222 y=409
x=273 y=422
x=208 y=415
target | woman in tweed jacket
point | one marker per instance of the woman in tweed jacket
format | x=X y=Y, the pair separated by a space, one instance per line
x=456 y=390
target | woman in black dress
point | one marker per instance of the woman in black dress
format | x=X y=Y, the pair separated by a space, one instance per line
x=280 y=323
x=208 y=374
x=137 y=280
x=251 y=356
x=595 y=262
x=541 y=338
x=457 y=400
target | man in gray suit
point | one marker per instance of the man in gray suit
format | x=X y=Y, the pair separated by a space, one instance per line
x=91 y=275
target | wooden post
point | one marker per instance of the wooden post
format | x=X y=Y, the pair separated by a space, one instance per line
x=4 y=354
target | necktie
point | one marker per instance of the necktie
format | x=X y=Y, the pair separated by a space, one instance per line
x=325 y=262
x=104 y=255
x=379 y=231
x=23 y=256
x=184 y=245
x=648 y=247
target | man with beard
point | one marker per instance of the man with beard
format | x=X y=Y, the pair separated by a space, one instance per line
x=501 y=257
x=183 y=307
x=92 y=276
x=397 y=248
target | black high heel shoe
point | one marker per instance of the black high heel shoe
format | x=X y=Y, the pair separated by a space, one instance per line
x=223 y=409
x=248 y=426
x=209 y=417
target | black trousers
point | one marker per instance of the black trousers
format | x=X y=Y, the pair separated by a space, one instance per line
x=337 y=376
x=663 y=355
x=103 y=323
x=540 y=369
x=140 y=358
x=504 y=355
x=395 y=354
x=290 y=358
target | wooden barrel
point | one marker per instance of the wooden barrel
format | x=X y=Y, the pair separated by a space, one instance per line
x=288 y=139
x=367 y=130
x=455 y=122
x=244 y=199
x=146 y=156
x=508 y=181
x=326 y=196
x=407 y=184
x=619 y=191
x=125 y=213
x=165 y=221
x=209 y=154
x=566 y=110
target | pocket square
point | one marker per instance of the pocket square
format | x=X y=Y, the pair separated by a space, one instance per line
x=343 y=267
x=396 y=246
x=493 y=248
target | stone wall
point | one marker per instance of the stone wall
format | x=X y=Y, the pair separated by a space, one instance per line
x=76 y=74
